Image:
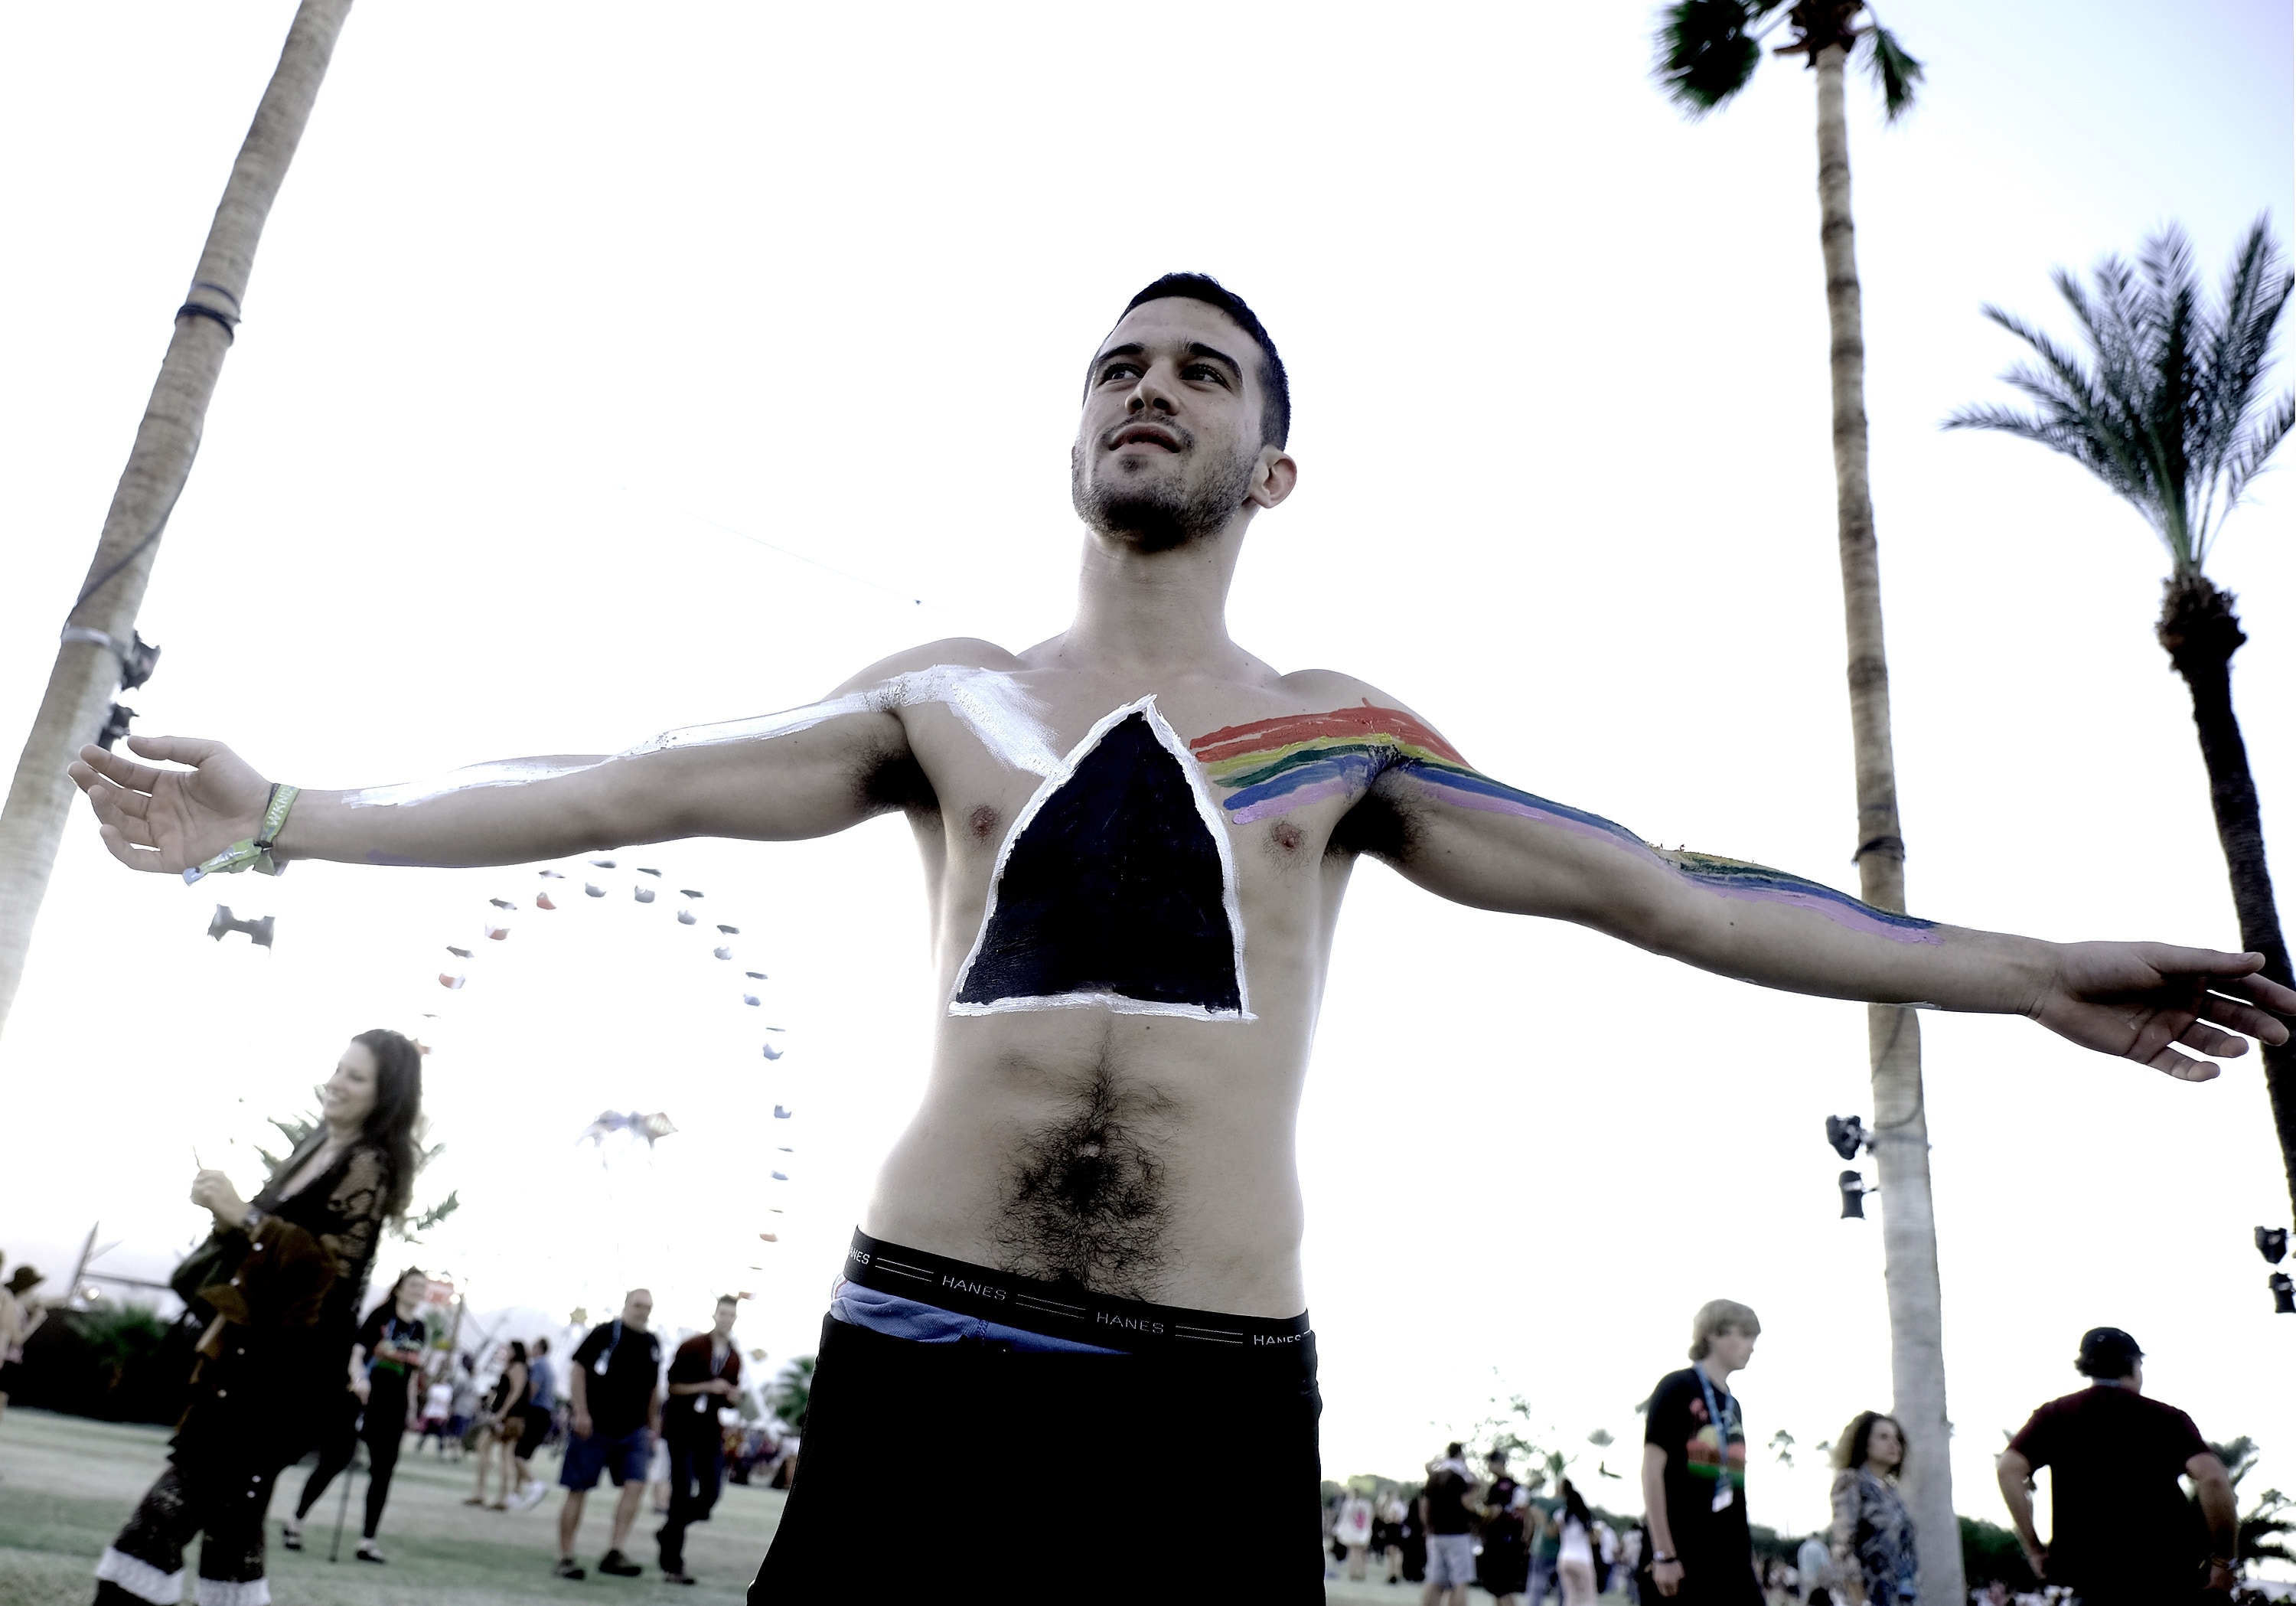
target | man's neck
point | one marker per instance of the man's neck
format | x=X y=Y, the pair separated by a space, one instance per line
x=1716 y=1372
x=1155 y=611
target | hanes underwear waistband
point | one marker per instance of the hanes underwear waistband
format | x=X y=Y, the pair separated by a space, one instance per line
x=1063 y=1310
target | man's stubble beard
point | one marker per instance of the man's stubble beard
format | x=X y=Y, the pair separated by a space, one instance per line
x=1157 y=517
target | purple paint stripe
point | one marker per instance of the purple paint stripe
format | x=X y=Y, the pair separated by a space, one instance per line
x=1834 y=906
x=1484 y=802
x=1313 y=792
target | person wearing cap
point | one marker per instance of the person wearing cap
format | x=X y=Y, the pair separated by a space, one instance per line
x=17 y=1318
x=2120 y=1532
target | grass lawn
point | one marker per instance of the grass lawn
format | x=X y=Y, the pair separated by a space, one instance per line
x=67 y=1483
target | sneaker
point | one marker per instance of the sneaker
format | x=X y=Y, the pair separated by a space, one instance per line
x=619 y=1565
x=530 y=1496
x=669 y=1576
x=567 y=1569
x=367 y=1552
x=291 y=1533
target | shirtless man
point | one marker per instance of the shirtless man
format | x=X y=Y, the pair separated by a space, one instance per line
x=1078 y=1277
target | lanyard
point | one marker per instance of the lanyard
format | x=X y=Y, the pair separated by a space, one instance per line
x=1719 y=1416
x=606 y=1360
x=717 y=1370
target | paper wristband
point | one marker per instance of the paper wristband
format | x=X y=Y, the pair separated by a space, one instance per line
x=252 y=852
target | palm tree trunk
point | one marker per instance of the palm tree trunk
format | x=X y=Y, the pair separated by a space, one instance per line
x=2200 y=632
x=1901 y=1146
x=86 y=670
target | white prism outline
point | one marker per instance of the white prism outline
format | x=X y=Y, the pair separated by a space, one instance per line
x=1207 y=810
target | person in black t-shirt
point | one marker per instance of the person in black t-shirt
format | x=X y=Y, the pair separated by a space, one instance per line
x=614 y=1384
x=704 y=1375
x=385 y=1359
x=2120 y=1529
x=1694 y=1467
x=1450 y=1528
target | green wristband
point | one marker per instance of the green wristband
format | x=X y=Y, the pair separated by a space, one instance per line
x=253 y=852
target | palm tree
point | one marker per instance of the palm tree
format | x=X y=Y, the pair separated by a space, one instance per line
x=2264 y=1529
x=791 y=1395
x=1707 y=53
x=2168 y=411
x=100 y=650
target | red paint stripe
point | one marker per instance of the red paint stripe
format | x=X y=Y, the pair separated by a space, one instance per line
x=1343 y=723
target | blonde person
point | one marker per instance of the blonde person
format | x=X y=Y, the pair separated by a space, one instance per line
x=1694 y=1467
x=1873 y=1536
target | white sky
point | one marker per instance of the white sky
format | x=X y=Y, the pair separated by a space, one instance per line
x=546 y=281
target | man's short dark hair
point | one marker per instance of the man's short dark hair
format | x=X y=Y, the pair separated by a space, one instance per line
x=729 y=1299
x=2107 y=1352
x=1274 y=384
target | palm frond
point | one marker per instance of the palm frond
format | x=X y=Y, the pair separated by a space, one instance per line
x=2248 y=455
x=1895 y=71
x=2164 y=407
x=1706 y=51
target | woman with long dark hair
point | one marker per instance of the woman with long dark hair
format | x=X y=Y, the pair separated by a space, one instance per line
x=505 y=1429
x=1578 y=1551
x=289 y=1268
x=1873 y=1536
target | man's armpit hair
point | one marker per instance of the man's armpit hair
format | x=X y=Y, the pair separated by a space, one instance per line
x=1380 y=826
x=891 y=778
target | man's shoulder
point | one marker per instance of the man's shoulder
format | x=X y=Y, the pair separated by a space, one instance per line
x=953 y=652
x=1329 y=689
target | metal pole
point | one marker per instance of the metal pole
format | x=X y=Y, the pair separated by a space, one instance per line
x=343 y=1506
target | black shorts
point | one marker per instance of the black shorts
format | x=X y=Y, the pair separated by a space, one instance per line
x=537 y=1429
x=1045 y=1468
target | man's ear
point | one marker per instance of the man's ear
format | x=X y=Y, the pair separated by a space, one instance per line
x=1273 y=476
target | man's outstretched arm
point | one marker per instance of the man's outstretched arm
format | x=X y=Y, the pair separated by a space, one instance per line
x=808 y=773
x=1476 y=841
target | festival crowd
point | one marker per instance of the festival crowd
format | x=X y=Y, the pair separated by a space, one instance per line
x=289 y=1368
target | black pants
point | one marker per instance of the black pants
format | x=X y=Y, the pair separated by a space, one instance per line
x=381 y=1432
x=697 y=1473
x=921 y=1457
x=223 y=1504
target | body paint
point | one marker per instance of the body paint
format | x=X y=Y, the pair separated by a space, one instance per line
x=503 y=772
x=993 y=706
x=1274 y=766
x=1116 y=888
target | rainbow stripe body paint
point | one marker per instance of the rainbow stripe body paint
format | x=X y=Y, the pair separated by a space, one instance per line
x=1271 y=767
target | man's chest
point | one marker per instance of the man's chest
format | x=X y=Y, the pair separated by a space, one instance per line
x=1127 y=851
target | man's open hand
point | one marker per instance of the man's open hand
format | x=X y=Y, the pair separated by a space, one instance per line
x=2140 y=999
x=170 y=819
